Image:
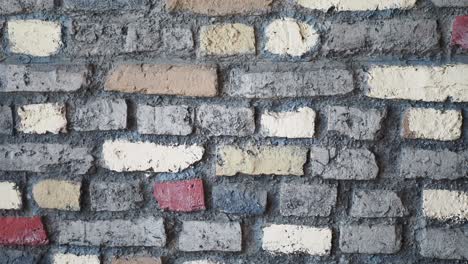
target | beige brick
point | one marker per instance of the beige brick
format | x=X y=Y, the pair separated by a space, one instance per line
x=55 y=194
x=227 y=39
x=136 y=260
x=445 y=204
x=220 y=7
x=75 y=259
x=432 y=124
x=10 y=196
x=356 y=5
x=290 y=124
x=42 y=118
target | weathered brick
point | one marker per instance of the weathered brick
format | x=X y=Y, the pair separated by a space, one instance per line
x=445 y=204
x=69 y=258
x=148 y=232
x=219 y=120
x=239 y=199
x=289 y=239
x=376 y=203
x=6 y=120
x=100 y=115
x=42 y=118
x=227 y=39
x=210 y=236
x=180 y=196
x=10 y=196
x=98 y=5
x=121 y=155
x=260 y=160
x=220 y=8
x=290 y=124
x=357 y=123
x=307 y=200
x=460 y=31
x=356 y=5
x=450 y=3
x=420 y=83
x=345 y=164
x=427 y=123
x=25 y=6
x=54 y=194
x=204 y=261
x=444 y=243
x=163 y=79
x=367 y=239
x=114 y=196
x=164 y=120
x=45 y=158
x=10 y=256
x=136 y=260
x=22 y=232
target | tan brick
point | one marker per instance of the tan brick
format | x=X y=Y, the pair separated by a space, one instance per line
x=227 y=39
x=432 y=124
x=42 y=118
x=445 y=204
x=356 y=5
x=220 y=7
x=136 y=260
x=55 y=194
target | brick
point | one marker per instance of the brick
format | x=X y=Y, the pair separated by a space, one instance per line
x=75 y=259
x=321 y=82
x=42 y=118
x=307 y=199
x=460 y=32
x=177 y=41
x=121 y=155
x=54 y=194
x=356 y=123
x=34 y=37
x=420 y=83
x=180 y=196
x=445 y=204
x=367 y=239
x=376 y=203
x=239 y=199
x=210 y=236
x=199 y=81
x=205 y=261
x=22 y=232
x=260 y=160
x=291 y=37
x=289 y=239
x=299 y=123
x=136 y=260
x=9 y=256
x=115 y=196
x=444 y=243
x=450 y=3
x=220 y=8
x=164 y=120
x=147 y=232
x=100 y=115
x=356 y=5
x=221 y=120
x=98 y=5
x=427 y=123
x=6 y=120
x=227 y=39
x=25 y=6
x=10 y=196
x=45 y=158
x=345 y=164
x=433 y=164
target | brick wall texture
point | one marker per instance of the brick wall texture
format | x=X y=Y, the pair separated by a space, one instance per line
x=233 y=131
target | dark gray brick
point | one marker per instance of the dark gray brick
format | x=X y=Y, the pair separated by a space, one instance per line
x=210 y=236
x=356 y=123
x=8 y=256
x=444 y=243
x=450 y=3
x=99 y=5
x=366 y=239
x=25 y=6
x=238 y=199
x=307 y=200
x=100 y=115
x=164 y=120
x=115 y=196
x=376 y=203
x=220 y=120
x=6 y=120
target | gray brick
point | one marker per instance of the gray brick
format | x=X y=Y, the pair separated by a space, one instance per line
x=6 y=120
x=25 y=6
x=210 y=236
x=164 y=120
x=148 y=232
x=220 y=120
x=344 y=164
x=8 y=256
x=100 y=115
x=433 y=164
x=307 y=200
x=45 y=158
x=115 y=196
x=239 y=199
x=177 y=40
x=376 y=203
x=450 y=3
x=99 y=5
x=366 y=239
x=356 y=123
x=444 y=243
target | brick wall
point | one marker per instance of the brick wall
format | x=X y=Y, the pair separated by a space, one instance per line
x=233 y=131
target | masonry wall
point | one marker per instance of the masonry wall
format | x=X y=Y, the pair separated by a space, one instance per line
x=216 y=131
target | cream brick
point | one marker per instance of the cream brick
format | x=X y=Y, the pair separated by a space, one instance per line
x=75 y=259
x=42 y=118
x=445 y=204
x=227 y=39
x=432 y=124
x=10 y=196
x=54 y=194
x=356 y=5
x=292 y=124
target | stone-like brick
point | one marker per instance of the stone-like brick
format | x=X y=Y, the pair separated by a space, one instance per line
x=356 y=5
x=460 y=31
x=136 y=260
x=100 y=115
x=227 y=39
x=204 y=261
x=445 y=204
x=345 y=164
x=99 y=5
x=210 y=236
x=45 y=158
x=289 y=239
x=357 y=123
x=6 y=120
x=9 y=256
x=180 y=196
x=34 y=37
x=365 y=239
x=61 y=258
x=307 y=200
x=220 y=8
x=147 y=232
x=432 y=124
x=42 y=118
x=321 y=82
x=114 y=196
x=444 y=243
x=450 y=3
x=376 y=203
x=290 y=124
x=421 y=83
x=163 y=79
x=54 y=194
x=164 y=120
x=22 y=232
x=219 y=120
x=260 y=160
x=26 y=6
x=239 y=199
x=121 y=155
x=10 y=196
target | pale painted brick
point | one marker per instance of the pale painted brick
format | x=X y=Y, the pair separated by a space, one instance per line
x=164 y=120
x=307 y=199
x=30 y=6
x=114 y=196
x=376 y=203
x=289 y=239
x=121 y=155
x=445 y=204
x=6 y=120
x=444 y=243
x=221 y=120
x=227 y=39
x=100 y=115
x=10 y=196
x=356 y=5
x=450 y=3
x=290 y=124
x=370 y=239
x=220 y=8
x=357 y=123
x=61 y=258
x=210 y=236
x=42 y=118
x=427 y=123
x=55 y=194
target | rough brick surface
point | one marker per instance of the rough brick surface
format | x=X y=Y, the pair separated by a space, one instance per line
x=210 y=236
x=376 y=203
x=75 y=259
x=357 y=123
x=444 y=243
x=180 y=196
x=6 y=120
x=290 y=124
x=220 y=8
x=100 y=115
x=450 y=3
x=115 y=196
x=460 y=31
x=136 y=260
x=10 y=256
x=307 y=200
x=42 y=118
x=54 y=194
x=428 y=123
x=227 y=39
x=10 y=196
x=22 y=232
x=98 y=5
x=164 y=120
x=366 y=239
x=238 y=199
x=220 y=120
x=12 y=7
x=445 y=204
x=356 y=5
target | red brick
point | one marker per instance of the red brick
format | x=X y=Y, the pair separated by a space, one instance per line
x=460 y=32
x=180 y=196
x=22 y=231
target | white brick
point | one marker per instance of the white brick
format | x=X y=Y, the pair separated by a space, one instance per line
x=42 y=118
x=75 y=259
x=10 y=196
x=445 y=204
x=121 y=155
x=227 y=39
x=356 y=5
x=294 y=124
x=432 y=124
x=290 y=239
